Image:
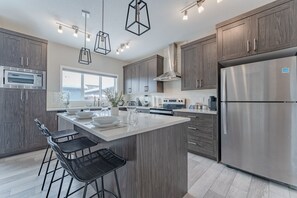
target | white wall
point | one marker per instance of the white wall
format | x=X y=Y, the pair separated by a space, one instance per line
x=67 y=56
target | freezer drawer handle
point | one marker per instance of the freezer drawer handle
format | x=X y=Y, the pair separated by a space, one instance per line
x=192 y=128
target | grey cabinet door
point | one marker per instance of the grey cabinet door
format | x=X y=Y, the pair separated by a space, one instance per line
x=235 y=40
x=190 y=67
x=36 y=55
x=153 y=86
x=12 y=50
x=275 y=29
x=135 y=78
x=143 y=77
x=127 y=80
x=35 y=107
x=11 y=121
x=209 y=64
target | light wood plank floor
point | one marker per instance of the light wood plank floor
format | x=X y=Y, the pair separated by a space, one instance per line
x=206 y=179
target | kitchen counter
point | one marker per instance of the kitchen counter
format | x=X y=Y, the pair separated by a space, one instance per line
x=91 y=108
x=155 y=150
x=146 y=123
x=195 y=111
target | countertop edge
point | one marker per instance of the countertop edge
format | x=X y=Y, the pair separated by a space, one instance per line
x=196 y=111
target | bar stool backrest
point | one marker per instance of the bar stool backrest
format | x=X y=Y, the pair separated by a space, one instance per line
x=45 y=131
x=38 y=123
x=65 y=163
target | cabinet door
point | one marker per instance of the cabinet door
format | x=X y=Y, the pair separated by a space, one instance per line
x=127 y=80
x=153 y=85
x=36 y=54
x=12 y=50
x=143 y=77
x=190 y=70
x=35 y=107
x=234 y=40
x=135 y=78
x=274 y=29
x=11 y=121
x=209 y=63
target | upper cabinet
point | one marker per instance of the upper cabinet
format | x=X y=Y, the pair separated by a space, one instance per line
x=139 y=76
x=266 y=29
x=18 y=50
x=199 y=64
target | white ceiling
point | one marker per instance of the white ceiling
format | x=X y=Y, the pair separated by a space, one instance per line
x=39 y=17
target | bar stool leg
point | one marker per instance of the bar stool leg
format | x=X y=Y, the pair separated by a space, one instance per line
x=63 y=175
x=102 y=186
x=53 y=176
x=68 y=191
x=117 y=182
x=46 y=172
x=85 y=190
x=45 y=154
x=97 y=187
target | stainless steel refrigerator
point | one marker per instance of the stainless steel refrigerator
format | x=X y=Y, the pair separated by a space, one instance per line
x=259 y=118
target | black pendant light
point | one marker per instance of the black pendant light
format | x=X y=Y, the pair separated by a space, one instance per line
x=102 y=42
x=137 y=21
x=85 y=53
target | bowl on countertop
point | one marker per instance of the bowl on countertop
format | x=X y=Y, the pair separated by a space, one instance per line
x=105 y=119
x=85 y=114
x=72 y=111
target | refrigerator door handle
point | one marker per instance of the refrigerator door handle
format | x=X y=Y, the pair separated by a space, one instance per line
x=224 y=85
x=224 y=118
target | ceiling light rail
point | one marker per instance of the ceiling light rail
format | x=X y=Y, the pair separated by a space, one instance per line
x=75 y=29
x=198 y=4
x=122 y=47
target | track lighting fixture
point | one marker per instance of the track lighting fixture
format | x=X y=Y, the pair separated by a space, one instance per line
x=122 y=47
x=75 y=33
x=198 y=3
x=60 y=29
x=89 y=38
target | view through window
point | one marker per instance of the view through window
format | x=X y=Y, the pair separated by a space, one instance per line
x=86 y=85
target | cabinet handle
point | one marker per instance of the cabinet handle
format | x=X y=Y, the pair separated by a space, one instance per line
x=248 y=46
x=22 y=95
x=192 y=128
x=192 y=116
x=197 y=83
x=201 y=83
x=192 y=143
x=22 y=61
x=255 y=45
x=27 y=61
x=146 y=88
x=26 y=95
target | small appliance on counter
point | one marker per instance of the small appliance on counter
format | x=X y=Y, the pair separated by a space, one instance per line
x=146 y=101
x=212 y=103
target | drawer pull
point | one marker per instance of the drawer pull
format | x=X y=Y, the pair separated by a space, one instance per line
x=192 y=128
x=192 y=117
x=192 y=143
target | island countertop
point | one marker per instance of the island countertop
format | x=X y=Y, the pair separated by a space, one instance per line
x=146 y=123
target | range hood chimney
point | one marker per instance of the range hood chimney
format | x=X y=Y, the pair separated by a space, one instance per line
x=172 y=74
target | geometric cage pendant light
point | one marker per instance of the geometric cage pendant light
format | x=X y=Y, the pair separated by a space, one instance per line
x=85 y=53
x=137 y=21
x=102 y=42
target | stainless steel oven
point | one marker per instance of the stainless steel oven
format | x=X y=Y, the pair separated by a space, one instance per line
x=14 y=77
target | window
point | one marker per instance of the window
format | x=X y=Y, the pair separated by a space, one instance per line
x=83 y=85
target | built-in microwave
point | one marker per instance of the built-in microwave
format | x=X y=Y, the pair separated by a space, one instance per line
x=14 y=77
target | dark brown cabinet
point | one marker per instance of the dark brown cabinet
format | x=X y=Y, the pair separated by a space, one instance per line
x=18 y=50
x=266 y=29
x=139 y=76
x=202 y=134
x=199 y=64
x=18 y=130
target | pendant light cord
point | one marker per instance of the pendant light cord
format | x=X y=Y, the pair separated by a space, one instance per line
x=102 y=15
x=85 y=29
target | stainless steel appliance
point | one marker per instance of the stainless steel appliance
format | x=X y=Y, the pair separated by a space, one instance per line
x=259 y=118
x=212 y=103
x=14 y=77
x=168 y=105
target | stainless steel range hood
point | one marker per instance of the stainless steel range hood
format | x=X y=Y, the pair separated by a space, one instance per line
x=172 y=74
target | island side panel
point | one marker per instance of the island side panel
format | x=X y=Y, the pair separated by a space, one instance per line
x=162 y=166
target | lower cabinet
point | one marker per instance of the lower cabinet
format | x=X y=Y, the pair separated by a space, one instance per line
x=18 y=132
x=202 y=134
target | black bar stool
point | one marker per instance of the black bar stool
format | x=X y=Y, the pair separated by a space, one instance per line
x=56 y=135
x=89 y=168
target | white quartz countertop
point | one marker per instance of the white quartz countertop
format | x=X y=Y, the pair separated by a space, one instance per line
x=91 y=108
x=195 y=111
x=146 y=123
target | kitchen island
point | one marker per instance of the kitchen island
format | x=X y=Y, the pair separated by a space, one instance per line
x=155 y=150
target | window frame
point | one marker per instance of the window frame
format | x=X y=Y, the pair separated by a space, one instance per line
x=90 y=72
